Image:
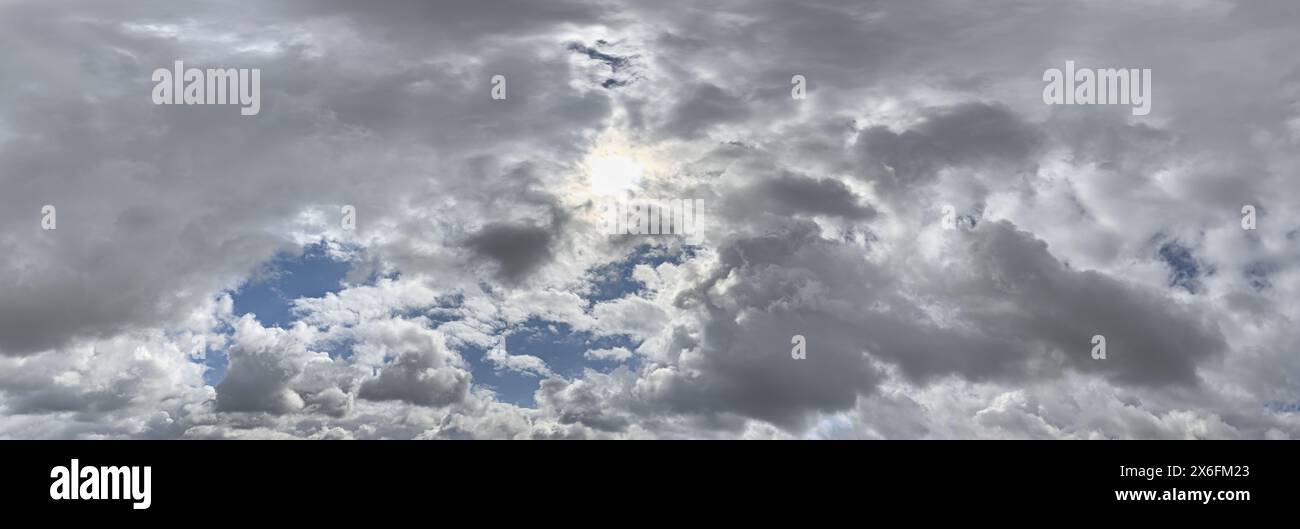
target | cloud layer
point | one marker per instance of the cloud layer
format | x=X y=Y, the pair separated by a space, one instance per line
x=947 y=243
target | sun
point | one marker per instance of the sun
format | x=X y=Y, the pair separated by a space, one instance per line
x=613 y=173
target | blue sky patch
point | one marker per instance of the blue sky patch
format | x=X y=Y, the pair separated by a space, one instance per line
x=269 y=295
x=313 y=273
x=614 y=280
x=309 y=274
x=1185 y=270
x=557 y=344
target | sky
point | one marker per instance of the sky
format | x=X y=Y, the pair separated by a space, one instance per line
x=400 y=244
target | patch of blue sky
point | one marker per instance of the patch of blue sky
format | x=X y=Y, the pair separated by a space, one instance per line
x=558 y=344
x=614 y=280
x=1282 y=406
x=313 y=272
x=310 y=273
x=269 y=295
x=216 y=361
x=1185 y=269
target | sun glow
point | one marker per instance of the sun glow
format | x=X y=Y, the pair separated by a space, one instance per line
x=613 y=173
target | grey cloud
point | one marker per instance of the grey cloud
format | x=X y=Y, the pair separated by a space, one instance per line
x=967 y=134
x=331 y=401
x=743 y=365
x=516 y=249
x=416 y=377
x=705 y=105
x=422 y=371
x=1023 y=316
x=789 y=194
x=259 y=380
x=1151 y=339
x=580 y=402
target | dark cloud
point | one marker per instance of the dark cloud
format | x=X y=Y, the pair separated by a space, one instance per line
x=516 y=249
x=259 y=376
x=1066 y=308
x=417 y=378
x=963 y=135
x=790 y=194
x=705 y=105
x=580 y=402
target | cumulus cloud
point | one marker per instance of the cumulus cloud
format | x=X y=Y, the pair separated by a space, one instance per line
x=422 y=371
x=520 y=363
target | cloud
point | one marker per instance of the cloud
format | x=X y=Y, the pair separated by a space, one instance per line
x=962 y=135
x=413 y=378
x=422 y=371
x=522 y=363
x=476 y=219
x=789 y=194
x=614 y=354
x=263 y=363
x=516 y=250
